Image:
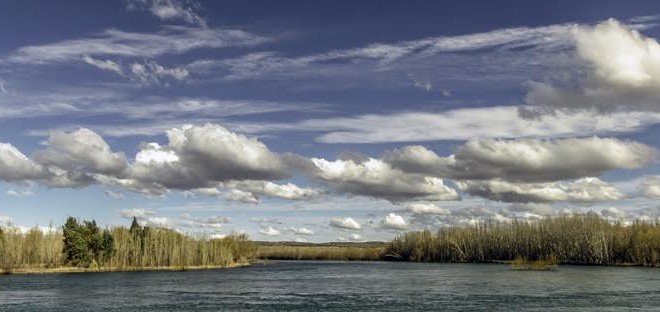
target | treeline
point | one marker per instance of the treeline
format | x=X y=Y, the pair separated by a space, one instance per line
x=85 y=245
x=568 y=239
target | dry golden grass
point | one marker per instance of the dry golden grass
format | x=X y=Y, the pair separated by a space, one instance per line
x=319 y=252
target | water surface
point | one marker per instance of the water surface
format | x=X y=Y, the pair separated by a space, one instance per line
x=340 y=286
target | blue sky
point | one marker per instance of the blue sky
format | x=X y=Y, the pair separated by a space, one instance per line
x=325 y=121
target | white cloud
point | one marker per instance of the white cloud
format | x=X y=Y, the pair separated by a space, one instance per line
x=384 y=55
x=376 y=178
x=585 y=190
x=538 y=209
x=482 y=122
x=20 y=193
x=529 y=160
x=214 y=222
x=303 y=231
x=620 y=56
x=106 y=65
x=651 y=187
x=265 y=220
x=242 y=196
x=16 y=167
x=345 y=223
x=153 y=73
x=170 y=10
x=136 y=212
x=270 y=231
x=426 y=209
x=622 y=72
x=207 y=154
x=81 y=150
x=286 y=191
x=112 y=42
x=394 y=222
x=355 y=237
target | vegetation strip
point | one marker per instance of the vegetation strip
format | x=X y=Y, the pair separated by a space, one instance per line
x=526 y=245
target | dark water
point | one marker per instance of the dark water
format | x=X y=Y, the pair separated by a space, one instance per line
x=340 y=286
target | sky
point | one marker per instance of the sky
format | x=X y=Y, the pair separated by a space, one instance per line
x=327 y=121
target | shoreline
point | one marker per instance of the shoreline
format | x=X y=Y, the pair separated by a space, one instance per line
x=65 y=270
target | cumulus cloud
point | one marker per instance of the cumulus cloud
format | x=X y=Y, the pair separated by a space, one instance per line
x=394 y=222
x=146 y=217
x=270 y=231
x=526 y=160
x=426 y=209
x=651 y=187
x=286 y=191
x=198 y=156
x=345 y=223
x=303 y=231
x=82 y=150
x=585 y=190
x=136 y=212
x=622 y=72
x=16 y=167
x=378 y=179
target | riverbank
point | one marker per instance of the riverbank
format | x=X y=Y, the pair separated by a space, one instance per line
x=58 y=270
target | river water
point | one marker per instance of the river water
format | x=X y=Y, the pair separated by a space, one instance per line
x=340 y=286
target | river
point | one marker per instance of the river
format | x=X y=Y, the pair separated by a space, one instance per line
x=340 y=286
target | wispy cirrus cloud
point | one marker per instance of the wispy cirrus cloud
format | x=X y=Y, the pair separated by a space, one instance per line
x=168 y=10
x=485 y=122
x=385 y=55
x=113 y=42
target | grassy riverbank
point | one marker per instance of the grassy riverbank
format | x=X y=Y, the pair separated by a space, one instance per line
x=69 y=269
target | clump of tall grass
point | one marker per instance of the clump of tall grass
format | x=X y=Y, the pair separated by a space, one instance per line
x=568 y=239
x=544 y=264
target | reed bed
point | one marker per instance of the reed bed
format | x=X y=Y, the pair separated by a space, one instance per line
x=568 y=239
x=319 y=252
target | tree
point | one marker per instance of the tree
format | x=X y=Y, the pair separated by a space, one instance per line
x=135 y=227
x=85 y=244
x=76 y=251
x=107 y=246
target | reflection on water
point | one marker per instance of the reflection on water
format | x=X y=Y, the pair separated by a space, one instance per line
x=340 y=286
